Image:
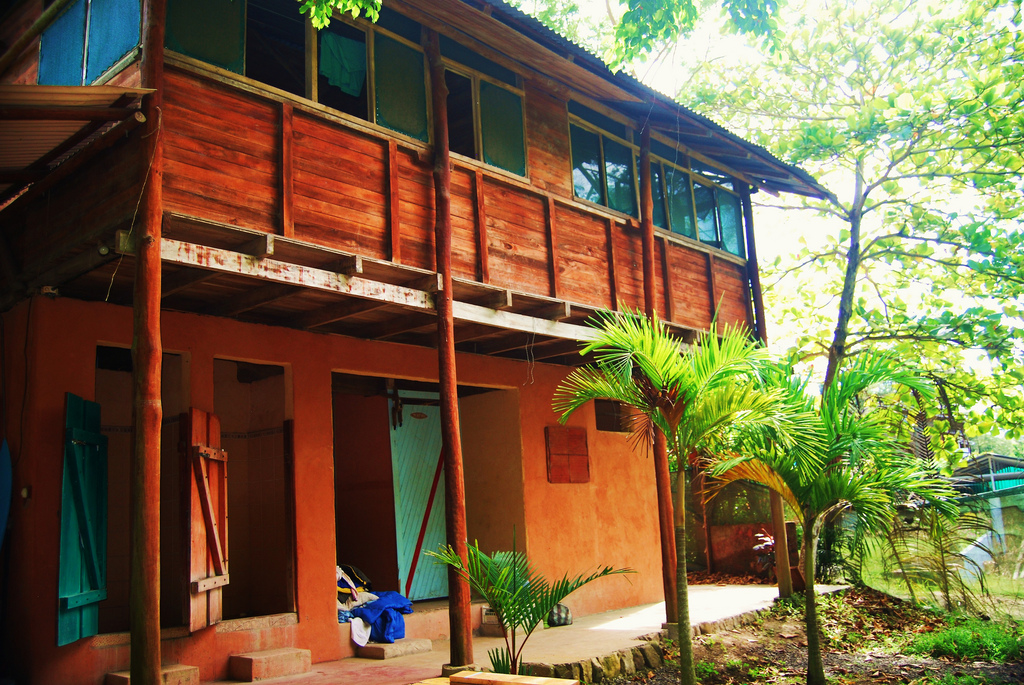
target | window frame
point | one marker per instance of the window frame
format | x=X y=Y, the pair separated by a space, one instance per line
x=371 y=75
x=476 y=77
x=116 y=67
x=695 y=179
x=579 y=122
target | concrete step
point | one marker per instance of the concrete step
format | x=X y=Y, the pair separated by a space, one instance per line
x=173 y=674
x=270 y=663
x=404 y=647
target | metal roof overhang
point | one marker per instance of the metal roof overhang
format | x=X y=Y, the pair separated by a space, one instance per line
x=709 y=140
x=41 y=127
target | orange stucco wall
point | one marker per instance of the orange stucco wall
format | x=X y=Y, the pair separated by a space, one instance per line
x=569 y=527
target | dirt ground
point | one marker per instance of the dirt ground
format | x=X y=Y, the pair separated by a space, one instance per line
x=863 y=632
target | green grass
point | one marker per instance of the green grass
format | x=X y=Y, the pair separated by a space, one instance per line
x=1005 y=596
x=973 y=639
x=949 y=679
x=705 y=670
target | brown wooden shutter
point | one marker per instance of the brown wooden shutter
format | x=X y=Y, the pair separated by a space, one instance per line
x=207 y=510
x=568 y=459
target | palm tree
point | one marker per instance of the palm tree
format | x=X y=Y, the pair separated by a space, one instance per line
x=862 y=469
x=702 y=397
x=519 y=596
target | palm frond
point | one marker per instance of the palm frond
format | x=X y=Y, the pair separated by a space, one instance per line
x=520 y=597
x=756 y=471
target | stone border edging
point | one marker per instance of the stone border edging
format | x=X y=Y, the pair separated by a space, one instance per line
x=649 y=655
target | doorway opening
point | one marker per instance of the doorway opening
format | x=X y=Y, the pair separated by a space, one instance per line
x=389 y=478
x=250 y=400
x=113 y=392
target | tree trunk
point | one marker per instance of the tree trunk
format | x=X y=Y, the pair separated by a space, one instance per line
x=837 y=350
x=687 y=674
x=815 y=667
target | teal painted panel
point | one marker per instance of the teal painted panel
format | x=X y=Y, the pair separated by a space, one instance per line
x=62 y=48
x=82 y=577
x=415 y=452
x=113 y=32
x=1007 y=484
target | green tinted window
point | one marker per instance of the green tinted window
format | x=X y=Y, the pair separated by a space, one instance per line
x=658 y=195
x=704 y=200
x=209 y=30
x=399 y=24
x=501 y=125
x=400 y=87
x=680 y=202
x=618 y=169
x=586 y=165
x=599 y=120
x=463 y=55
x=731 y=215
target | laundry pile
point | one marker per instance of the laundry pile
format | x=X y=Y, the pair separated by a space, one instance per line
x=374 y=617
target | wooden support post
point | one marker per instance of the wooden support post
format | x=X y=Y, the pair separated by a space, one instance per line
x=613 y=283
x=287 y=184
x=481 y=228
x=455 y=491
x=661 y=472
x=147 y=352
x=782 y=568
x=553 y=275
x=312 y=62
x=753 y=275
x=394 y=228
x=666 y=275
x=712 y=291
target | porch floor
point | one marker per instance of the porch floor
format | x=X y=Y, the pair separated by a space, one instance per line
x=588 y=636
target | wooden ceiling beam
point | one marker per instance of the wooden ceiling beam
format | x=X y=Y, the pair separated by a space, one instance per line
x=254 y=298
x=182 y=280
x=522 y=322
x=506 y=343
x=555 y=311
x=223 y=261
x=470 y=332
x=336 y=312
x=272 y=270
x=556 y=348
x=405 y=323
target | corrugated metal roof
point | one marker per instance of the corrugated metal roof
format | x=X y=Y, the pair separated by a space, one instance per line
x=758 y=164
x=36 y=121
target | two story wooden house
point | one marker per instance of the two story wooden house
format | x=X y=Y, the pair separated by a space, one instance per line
x=346 y=333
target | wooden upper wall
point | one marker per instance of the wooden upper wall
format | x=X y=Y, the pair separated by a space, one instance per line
x=243 y=153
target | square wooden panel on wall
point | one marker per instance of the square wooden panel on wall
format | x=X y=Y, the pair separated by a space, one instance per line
x=568 y=460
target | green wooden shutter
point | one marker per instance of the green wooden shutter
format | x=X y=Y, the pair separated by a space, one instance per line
x=82 y=581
